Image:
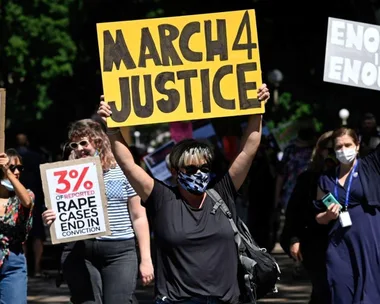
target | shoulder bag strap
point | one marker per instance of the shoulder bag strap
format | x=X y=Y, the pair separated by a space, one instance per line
x=249 y=263
x=219 y=203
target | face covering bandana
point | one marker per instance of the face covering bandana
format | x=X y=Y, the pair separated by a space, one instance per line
x=194 y=183
x=346 y=156
x=7 y=184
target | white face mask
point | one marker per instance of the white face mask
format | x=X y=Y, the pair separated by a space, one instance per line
x=346 y=156
x=7 y=184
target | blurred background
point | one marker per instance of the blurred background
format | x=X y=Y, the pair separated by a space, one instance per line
x=50 y=61
x=50 y=67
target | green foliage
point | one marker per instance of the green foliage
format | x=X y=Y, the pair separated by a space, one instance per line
x=36 y=50
x=289 y=110
x=159 y=12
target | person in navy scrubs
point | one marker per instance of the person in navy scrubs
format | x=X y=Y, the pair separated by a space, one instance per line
x=353 y=254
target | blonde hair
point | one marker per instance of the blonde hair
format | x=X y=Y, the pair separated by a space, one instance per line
x=196 y=155
x=97 y=137
x=189 y=150
x=317 y=160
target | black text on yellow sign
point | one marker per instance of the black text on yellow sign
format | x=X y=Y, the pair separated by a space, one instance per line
x=180 y=68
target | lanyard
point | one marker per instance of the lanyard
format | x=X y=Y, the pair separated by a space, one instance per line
x=348 y=186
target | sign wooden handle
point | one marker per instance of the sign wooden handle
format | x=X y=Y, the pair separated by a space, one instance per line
x=2 y=120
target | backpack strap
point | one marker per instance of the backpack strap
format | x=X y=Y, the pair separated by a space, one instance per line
x=219 y=203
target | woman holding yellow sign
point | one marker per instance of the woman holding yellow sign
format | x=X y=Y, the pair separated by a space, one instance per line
x=196 y=253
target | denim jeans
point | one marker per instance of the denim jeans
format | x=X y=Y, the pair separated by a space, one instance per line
x=13 y=279
x=101 y=272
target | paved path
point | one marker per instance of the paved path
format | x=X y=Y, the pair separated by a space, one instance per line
x=290 y=290
x=43 y=290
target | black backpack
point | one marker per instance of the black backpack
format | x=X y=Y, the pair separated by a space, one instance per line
x=258 y=271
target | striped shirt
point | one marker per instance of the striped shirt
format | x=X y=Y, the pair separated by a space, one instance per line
x=118 y=190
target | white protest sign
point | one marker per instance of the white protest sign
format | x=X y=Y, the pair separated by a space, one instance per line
x=352 y=54
x=75 y=190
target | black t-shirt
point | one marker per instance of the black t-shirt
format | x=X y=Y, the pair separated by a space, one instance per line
x=196 y=252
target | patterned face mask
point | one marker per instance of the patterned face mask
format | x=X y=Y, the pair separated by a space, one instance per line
x=194 y=183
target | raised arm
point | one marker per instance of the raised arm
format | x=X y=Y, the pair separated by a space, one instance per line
x=137 y=176
x=250 y=143
x=26 y=198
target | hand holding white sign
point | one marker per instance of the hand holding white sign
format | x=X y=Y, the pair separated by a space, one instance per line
x=49 y=216
x=74 y=191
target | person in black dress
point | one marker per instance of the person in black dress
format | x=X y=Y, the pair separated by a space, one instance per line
x=302 y=237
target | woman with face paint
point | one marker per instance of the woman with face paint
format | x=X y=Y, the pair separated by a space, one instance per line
x=196 y=253
x=104 y=270
x=16 y=204
x=352 y=259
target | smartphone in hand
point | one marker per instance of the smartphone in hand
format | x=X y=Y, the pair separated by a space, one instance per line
x=329 y=199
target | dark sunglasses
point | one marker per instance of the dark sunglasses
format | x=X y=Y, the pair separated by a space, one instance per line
x=13 y=168
x=74 y=145
x=192 y=169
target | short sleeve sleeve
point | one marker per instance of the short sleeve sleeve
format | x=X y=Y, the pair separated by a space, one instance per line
x=226 y=190
x=327 y=180
x=160 y=194
x=130 y=190
x=324 y=183
x=372 y=161
x=319 y=206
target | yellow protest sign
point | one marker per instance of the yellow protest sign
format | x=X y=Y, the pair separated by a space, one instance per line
x=180 y=68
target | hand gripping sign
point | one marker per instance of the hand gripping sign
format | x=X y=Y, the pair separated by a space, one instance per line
x=75 y=190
